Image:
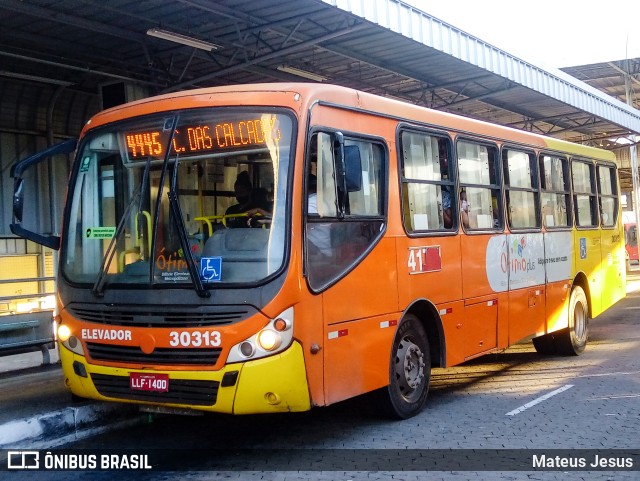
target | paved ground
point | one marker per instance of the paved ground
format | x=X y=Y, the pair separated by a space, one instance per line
x=495 y=402
x=38 y=411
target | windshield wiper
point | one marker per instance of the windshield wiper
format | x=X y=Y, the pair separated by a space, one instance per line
x=98 y=286
x=178 y=222
x=176 y=217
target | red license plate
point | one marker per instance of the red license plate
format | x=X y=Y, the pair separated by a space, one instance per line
x=139 y=381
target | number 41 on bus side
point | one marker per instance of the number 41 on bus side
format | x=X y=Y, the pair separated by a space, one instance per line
x=424 y=259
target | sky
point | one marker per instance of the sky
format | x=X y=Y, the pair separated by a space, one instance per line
x=547 y=33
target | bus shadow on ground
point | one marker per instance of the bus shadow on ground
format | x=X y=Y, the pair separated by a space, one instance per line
x=510 y=366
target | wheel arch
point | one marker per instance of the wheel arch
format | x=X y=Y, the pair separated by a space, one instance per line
x=429 y=318
x=582 y=281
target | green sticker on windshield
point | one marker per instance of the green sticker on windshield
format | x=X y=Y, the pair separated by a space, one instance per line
x=100 y=232
x=86 y=162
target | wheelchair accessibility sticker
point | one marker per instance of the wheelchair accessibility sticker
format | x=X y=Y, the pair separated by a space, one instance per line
x=211 y=269
x=583 y=248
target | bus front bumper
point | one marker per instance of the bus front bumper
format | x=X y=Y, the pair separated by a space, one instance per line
x=273 y=384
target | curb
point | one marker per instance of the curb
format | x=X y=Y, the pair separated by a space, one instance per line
x=66 y=425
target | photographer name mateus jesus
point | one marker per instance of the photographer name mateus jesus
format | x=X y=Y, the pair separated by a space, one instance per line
x=544 y=461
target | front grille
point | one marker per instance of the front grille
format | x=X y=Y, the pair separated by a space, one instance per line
x=158 y=316
x=161 y=355
x=181 y=391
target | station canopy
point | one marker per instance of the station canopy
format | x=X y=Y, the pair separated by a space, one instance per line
x=385 y=47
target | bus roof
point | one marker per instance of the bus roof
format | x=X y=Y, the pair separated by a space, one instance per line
x=310 y=93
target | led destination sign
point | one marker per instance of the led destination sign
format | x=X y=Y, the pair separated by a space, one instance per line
x=204 y=138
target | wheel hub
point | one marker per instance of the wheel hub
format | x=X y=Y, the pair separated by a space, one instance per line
x=409 y=366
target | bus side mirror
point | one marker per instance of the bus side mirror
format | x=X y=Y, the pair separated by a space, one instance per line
x=353 y=168
x=17 y=172
x=348 y=168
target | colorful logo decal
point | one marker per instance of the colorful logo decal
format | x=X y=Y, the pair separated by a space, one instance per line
x=519 y=245
x=519 y=260
x=523 y=260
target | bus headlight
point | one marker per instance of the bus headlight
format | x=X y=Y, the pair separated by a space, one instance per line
x=68 y=340
x=64 y=332
x=273 y=338
x=269 y=340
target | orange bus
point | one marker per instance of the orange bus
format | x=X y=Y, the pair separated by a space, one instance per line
x=269 y=248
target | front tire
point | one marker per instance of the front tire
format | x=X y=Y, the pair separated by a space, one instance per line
x=573 y=340
x=409 y=371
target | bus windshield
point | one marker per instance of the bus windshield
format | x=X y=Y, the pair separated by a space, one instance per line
x=162 y=199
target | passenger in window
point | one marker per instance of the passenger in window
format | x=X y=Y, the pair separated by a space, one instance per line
x=447 y=218
x=447 y=197
x=495 y=213
x=319 y=234
x=464 y=208
x=548 y=214
x=249 y=202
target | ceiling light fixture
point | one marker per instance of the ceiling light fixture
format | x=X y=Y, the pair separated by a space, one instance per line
x=182 y=39
x=302 y=73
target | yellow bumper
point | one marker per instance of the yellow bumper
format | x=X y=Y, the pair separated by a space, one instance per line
x=273 y=384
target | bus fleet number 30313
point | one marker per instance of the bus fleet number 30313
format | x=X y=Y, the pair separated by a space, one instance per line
x=195 y=339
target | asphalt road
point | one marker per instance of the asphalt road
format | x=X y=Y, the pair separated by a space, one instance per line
x=517 y=399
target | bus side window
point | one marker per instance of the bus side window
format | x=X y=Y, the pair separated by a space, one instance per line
x=555 y=191
x=584 y=193
x=427 y=182
x=608 y=198
x=521 y=183
x=335 y=238
x=480 y=181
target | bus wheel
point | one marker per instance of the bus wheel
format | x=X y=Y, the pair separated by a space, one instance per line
x=409 y=371
x=573 y=340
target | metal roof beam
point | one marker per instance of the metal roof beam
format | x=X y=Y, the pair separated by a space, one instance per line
x=507 y=86
x=53 y=15
x=86 y=70
x=96 y=57
x=269 y=56
x=257 y=23
x=576 y=128
x=389 y=67
x=519 y=110
x=625 y=74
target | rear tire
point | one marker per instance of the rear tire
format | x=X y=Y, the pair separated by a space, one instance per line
x=409 y=371
x=573 y=340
